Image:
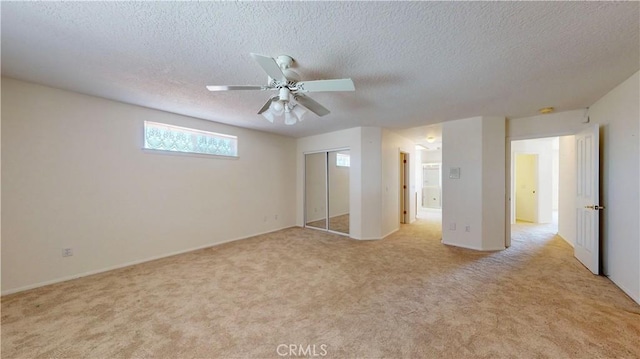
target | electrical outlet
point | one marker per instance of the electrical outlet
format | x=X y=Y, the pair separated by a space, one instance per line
x=276 y=217
x=67 y=252
x=452 y=226
x=467 y=228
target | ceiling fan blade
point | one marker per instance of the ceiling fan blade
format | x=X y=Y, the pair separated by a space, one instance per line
x=312 y=105
x=268 y=104
x=270 y=66
x=326 y=85
x=232 y=88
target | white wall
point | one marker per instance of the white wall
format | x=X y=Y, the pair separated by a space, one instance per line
x=493 y=183
x=74 y=175
x=618 y=114
x=431 y=156
x=392 y=145
x=462 y=198
x=477 y=198
x=371 y=183
x=567 y=186
x=554 y=124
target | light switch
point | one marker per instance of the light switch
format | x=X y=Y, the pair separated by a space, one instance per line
x=454 y=172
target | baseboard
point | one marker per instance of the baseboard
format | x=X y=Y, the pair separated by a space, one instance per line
x=472 y=247
x=634 y=296
x=564 y=239
x=128 y=264
x=377 y=238
x=390 y=233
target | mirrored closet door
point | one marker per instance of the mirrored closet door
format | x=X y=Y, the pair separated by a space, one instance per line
x=327 y=190
x=315 y=184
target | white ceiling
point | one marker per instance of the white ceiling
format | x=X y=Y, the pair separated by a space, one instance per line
x=413 y=63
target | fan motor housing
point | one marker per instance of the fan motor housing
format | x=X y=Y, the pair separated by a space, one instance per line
x=286 y=62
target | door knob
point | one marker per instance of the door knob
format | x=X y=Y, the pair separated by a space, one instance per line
x=595 y=207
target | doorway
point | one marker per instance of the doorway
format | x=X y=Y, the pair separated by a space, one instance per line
x=575 y=195
x=535 y=181
x=432 y=185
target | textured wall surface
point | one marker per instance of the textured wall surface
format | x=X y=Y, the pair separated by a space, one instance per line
x=75 y=176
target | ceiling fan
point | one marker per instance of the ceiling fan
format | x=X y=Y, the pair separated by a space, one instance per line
x=291 y=100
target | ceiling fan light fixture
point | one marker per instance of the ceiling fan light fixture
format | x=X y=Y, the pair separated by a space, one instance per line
x=276 y=108
x=300 y=112
x=284 y=94
x=291 y=100
x=290 y=118
x=288 y=112
x=268 y=115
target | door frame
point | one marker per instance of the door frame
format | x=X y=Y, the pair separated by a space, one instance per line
x=509 y=176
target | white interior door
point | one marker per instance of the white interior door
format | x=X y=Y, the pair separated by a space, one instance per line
x=587 y=247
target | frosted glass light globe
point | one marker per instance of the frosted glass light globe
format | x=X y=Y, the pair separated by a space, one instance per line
x=277 y=106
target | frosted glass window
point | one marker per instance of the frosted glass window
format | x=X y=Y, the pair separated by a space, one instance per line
x=343 y=160
x=163 y=137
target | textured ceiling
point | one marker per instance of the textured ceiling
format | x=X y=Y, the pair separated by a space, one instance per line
x=413 y=63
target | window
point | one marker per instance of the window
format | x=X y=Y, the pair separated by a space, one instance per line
x=162 y=137
x=343 y=160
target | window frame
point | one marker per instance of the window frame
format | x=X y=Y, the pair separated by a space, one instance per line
x=189 y=132
x=342 y=155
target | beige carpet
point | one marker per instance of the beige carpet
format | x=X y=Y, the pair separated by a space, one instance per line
x=405 y=296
